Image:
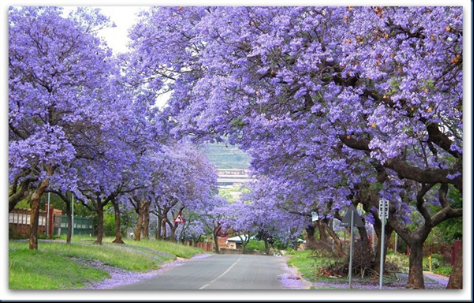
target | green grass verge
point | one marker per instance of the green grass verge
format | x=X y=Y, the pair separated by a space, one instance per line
x=178 y=250
x=42 y=270
x=306 y=264
x=56 y=265
x=445 y=271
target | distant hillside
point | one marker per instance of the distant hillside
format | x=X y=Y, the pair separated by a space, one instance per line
x=226 y=157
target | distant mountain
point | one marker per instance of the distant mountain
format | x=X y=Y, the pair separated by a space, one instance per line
x=228 y=156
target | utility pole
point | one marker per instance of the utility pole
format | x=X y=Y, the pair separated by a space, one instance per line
x=72 y=215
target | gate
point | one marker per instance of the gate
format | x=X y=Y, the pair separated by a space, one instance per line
x=82 y=225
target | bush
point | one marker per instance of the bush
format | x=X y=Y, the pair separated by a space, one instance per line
x=279 y=244
x=289 y=251
x=435 y=263
x=396 y=258
x=445 y=271
x=255 y=245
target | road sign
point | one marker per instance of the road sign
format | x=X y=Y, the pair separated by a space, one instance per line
x=179 y=219
x=314 y=216
x=346 y=221
x=383 y=208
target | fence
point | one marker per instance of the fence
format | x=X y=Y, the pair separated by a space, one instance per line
x=19 y=221
x=206 y=246
x=82 y=225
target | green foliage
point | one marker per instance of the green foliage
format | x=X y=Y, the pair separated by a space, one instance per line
x=396 y=258
x=280 y=245
x=24 y=204
x=255 y=245
x=452 y=228
x=437 y=261
x=109 y=222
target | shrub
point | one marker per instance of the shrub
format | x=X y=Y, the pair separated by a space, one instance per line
x=445 y=271
x=255 y=245
x=435 y=263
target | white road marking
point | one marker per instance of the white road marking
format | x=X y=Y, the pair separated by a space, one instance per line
x=221 y=274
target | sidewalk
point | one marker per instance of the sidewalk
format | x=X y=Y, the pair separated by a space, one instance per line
x=443 y=280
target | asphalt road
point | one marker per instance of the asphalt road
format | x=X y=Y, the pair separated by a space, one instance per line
x=230 y=272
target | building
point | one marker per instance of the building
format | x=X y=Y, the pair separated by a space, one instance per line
x=232 y=177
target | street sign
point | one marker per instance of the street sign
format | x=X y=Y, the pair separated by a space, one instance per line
x=383 y=208
x=179 y=219
x=314 y=216
x=346 y=221
x=352 y=219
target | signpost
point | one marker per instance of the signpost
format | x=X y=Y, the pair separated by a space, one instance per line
x=351 y=219
x=179 y=219
x=383 y=214
x=314 y=216
x=72 y=216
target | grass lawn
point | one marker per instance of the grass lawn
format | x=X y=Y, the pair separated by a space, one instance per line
x=308 y=265
x=43 y=270
x=56 y=265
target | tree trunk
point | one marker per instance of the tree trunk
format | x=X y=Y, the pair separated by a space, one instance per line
x=366 y=250
x=244 y=242
x=159 y=228
x=100 y=222
x=163 y=227
x=337 y=241
x=415 y=272
x=69 y=220
x=146 y=219
x=173 y=228
x=310 y=232
x=322 y=232
x=118 y=231
x=455 y=280
x=215 y=234
x=34 y=216
x=267 y=247
x=138 y=228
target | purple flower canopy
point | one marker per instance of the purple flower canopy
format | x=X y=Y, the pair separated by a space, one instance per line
x=336 y=105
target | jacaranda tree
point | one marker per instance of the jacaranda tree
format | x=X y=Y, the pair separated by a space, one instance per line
x=369 y=98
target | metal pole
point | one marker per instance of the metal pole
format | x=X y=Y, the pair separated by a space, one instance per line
x=47 y=216
x=382 y=236
x=72 y=216
x=350 y=253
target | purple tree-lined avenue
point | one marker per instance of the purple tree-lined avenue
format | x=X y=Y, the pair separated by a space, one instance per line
x=337 y=106
x=348 y=105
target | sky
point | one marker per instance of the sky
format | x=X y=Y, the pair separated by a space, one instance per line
x=123 y=13
x=123 y=17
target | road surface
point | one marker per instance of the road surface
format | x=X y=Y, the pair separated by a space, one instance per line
x=230 y=272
